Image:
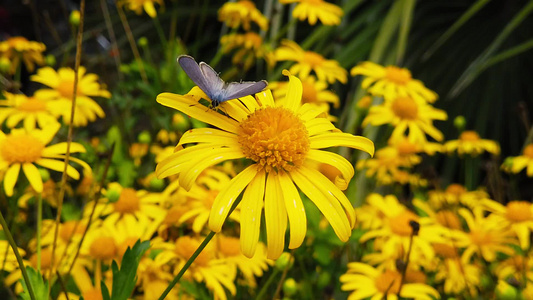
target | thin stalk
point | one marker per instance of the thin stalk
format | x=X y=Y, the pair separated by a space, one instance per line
x=271 y=279
x=69 y=139
x=112 y=37
x=160 y=32
x=415 y=227
x=187 y=264
x=39 y=229
x=133 y=45
x=469 y=172
x=22 y=268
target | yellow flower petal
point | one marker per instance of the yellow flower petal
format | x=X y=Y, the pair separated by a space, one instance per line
x=208 y=135
x=294 y=92
x=275 y=216
x=34 y=177
x=342 y=139
x=319 y=125
x=61 y=148
x=295 y=211
x=58 y=166
x=252 y=204
x=334 y=160
x=10 y=179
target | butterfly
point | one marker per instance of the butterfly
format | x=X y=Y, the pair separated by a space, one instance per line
x=207 y=79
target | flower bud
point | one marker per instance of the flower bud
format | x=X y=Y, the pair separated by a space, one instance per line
x=180 y=122
x=290 y=287
x=157 y=184
x=459 y=122
x=50 y=60
x=74 y=18
x=364 y=102
x=5 y=64
x=144 y=137
x=285 y=261
x=113 y=196
x=142 y=41
x=45 y=175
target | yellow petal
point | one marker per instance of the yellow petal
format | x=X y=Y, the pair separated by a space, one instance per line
x=10 y=179
x=61 y=148
x=225 y=199
x=208 y=135
x=335 y=139
x=294 y=92
x=275 y=217
x=295 y=211
x=34 y=177
x=252 y=206
x=58 y=166
x=334 y=160
x=318 y=125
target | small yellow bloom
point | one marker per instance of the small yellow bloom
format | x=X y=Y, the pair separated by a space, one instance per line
x=313 y=10
x=23 y=149
x=455 y=195
x=61 y=91
x=307 y=61
x=250 y=47
x=406 y=113
x=470 y=143
x=392 y=82
x=19 y=48
x=524 y=161
x=278 y=141
x=138 y=5
x=516 y=214
x=242 y=12
x=30 y=110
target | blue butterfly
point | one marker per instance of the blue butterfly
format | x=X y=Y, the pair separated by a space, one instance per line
x=215 y=88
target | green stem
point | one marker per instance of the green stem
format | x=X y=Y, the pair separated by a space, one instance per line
x=39 y=229
x=271 y=279
x=11 y=241
x=188 y=264
x=160 y=32
x=469 y=172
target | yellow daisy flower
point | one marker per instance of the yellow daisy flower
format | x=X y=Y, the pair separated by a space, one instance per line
x=406 y=113
x=279 y=140
x=313 y=10
x=366 y=281
x=392 y=82
x=486 y=236
x=138 y=5
x=19 y=48
x=62 y=89
x=30 y=110
x=515 y=267
x=516 y=214
x=250 y=47
x=306 y=61
x=524 y=161
x=242 y=12
x=455 y=195
x=470 y=143
x=25 y=149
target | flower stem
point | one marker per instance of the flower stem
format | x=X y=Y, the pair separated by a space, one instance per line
x=187 y=264
x=133 y=45
x=11 y=241
x=263 y=290
x=39 y=229
x=469 y=172
x=160 y=32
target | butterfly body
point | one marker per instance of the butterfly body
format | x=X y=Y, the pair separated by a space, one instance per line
x=207 y=79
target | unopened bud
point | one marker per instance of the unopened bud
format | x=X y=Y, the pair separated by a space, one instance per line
x=290 y=287
x=285 y=261
x=144 y=137
x=113 y=196
x=50 y=60
x=74 y=18
x=142 y=41
x=459 y=122
x=5 y=64
x=415 y=226
x=45 y=175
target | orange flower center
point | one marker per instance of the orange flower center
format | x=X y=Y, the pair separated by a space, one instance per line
x=229 y=246
x=92 y=294
x=455 y=189
x=46 y=259
x=174 y=214
x=444 y=250
x=21 y=148
x=32 y=105
x=103 y=248
x=313 y=59
x=388 y=282
x=17 y=42
x=469 y=135
x=405 y=147
x=249 y=5
x=528 y=151
x=397 y=75
x=128 y=202
x=66 y=88
x=400 y=224
x=448 y=219
x=309 y=94
x=275 y=138
x=69 y=229
x=186 y=246
x=480 y=237
x=405 y=108
x=518 y=211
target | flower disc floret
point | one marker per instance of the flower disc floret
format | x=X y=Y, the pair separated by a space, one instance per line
x=22 y=148
x=275 y=138
x=405 y=108
x=518 y=211
x=397 y=75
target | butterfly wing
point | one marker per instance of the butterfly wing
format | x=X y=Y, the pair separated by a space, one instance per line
x=192 y=69
x=236 y=90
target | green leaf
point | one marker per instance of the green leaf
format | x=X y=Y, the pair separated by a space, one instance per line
x=124 y=279
x=38 y=284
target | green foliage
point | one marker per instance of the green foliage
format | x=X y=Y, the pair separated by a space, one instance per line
x=38 y=285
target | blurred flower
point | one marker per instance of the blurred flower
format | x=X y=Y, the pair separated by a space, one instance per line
x=17 y=48
x=154 y=276
x=166 y=137
x=24 y=148
x=242 y=12
x=486 y=236
x=516 y=267
x=62 y=91
x=406 y=113
x=329 y=14
x=138 y=5
x=470 y=143
x=279 y=141
x=30 y=110
x=137 y=152
x=365 y=281
x=516 y=214
x=455 y=195
x=306 y=61
x=250 y=47
x=392 y=82
x=524 y=161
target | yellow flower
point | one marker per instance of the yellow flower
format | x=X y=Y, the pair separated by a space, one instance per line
x=279 y=141
x=516 y=214
x=137 y=152
x=455 y=195
x=251 y=47
x=515 y=267
x=392 y=82
x=470 y=143
x=17 y=48
x=242 y=12
x=406 y=113
x=30 y=110
x=457 y=277
x=23 y=148
x=366 y=281
x=524 y=161
x=62 y=91
x=307 y=61
x=138 y=5
x=329 y=14
x=486 y=236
